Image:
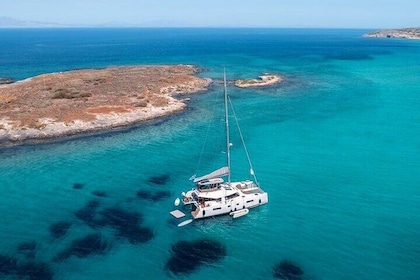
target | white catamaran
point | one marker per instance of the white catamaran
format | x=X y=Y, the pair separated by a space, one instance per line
x=213 y=196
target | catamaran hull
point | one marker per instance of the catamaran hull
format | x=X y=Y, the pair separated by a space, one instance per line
x=212 y=196
x=246 y=202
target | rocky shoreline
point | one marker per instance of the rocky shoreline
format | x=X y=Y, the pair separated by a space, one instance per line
x=92 y=100
x=6 y=80
x=403 y=33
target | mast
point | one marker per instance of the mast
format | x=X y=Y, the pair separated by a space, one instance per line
x=227 y=125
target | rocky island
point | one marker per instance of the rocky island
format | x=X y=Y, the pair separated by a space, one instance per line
x=404 y=33
x=79 y=101
x=264 y=80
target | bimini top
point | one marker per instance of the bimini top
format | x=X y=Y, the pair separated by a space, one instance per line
x=215 y=174
x=214 y=181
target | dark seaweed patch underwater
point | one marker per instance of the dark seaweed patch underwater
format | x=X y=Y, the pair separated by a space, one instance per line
x=27 y=249
x=287 y=270
x=99 y=193
x=161 y=195
x=153 y=196
x=35 y=271
x=88 y=213
x=93 y=244
x=9 y=266
x=188 y=256
x=145 y=194
x=159 y=180
x=59 y=229
x=127 y=225
x=78 y=186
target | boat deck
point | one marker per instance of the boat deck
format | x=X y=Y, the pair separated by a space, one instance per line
x=252 y=190
x=248 y=187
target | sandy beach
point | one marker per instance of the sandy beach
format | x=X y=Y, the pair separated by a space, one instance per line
x=82 y=101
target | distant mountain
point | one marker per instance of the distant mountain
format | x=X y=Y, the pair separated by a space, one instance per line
x=404 y=33
x=7 y=22
x=165 y=23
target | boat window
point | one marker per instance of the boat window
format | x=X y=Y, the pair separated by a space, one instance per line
x=217 y=208
x=203 y=186
x=232 y=196
x=250 y=201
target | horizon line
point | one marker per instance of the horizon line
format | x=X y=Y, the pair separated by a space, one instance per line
x=190 y=27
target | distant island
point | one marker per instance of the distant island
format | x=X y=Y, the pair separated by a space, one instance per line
x=264 y=80
x=8 y=22
x=403 y=33
x=79 y=101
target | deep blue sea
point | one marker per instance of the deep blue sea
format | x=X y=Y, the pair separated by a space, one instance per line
x=336 y=146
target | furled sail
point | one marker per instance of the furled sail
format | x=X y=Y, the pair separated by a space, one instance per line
x=215 y=174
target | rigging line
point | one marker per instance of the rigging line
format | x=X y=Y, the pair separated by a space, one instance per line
x=226 y=124
x=243 y=141
x=211 y=121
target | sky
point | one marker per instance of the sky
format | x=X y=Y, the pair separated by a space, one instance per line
x=219 y=13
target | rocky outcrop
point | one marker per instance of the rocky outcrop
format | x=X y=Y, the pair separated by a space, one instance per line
x=4 y=81
x=264 y=80
x=404 y=33
x=68 y=103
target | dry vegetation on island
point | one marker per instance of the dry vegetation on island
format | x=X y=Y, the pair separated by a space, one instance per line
x=77 y=101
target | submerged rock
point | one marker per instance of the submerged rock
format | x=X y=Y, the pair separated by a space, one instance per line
x=92 y=244
x=188 y=256
x=59 y=229
x=287 y=270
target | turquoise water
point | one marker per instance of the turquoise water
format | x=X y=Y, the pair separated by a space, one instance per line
x=336 y=146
